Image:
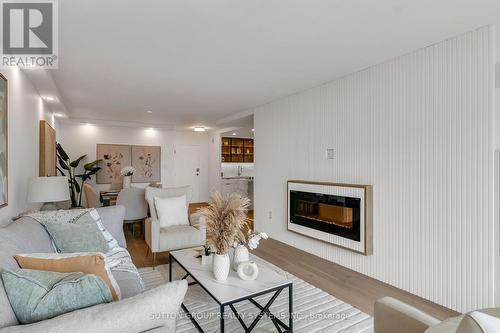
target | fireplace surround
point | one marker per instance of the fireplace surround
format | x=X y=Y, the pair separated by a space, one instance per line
x=340 y=214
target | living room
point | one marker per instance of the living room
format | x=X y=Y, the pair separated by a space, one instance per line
x=268 y=167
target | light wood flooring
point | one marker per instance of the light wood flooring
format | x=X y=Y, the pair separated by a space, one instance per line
x=352 y=287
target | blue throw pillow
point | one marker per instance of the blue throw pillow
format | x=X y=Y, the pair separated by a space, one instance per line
x=38 y=295
x=77 y=237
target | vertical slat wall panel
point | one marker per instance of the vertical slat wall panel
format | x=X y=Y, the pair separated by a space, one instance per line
x=417 y=128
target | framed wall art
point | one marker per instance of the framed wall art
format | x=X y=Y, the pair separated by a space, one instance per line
x=114 y=158
x=4 y=138
x=147 y=162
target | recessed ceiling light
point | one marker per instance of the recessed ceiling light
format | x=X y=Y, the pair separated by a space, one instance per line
x=234 y=133
x=59 y=115
x=149 y=111
x=49 y=98
x=199 y=129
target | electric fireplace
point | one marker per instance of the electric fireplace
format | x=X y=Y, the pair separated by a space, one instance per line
x=336 y=213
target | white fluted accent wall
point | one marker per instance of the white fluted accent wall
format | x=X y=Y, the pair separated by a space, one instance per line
x=419 y=129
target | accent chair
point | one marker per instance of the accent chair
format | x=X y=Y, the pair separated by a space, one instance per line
x=176 y=237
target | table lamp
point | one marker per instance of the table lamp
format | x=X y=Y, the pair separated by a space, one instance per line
x=48 y=190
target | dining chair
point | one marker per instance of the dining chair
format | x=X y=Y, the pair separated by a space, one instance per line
x=91 y=197
x=136 y=209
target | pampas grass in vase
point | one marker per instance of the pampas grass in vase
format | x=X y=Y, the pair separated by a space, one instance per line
x=225 y=217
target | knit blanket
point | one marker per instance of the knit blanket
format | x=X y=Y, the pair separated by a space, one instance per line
x=117 y=258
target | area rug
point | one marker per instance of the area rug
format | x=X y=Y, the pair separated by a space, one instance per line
x=314 y=309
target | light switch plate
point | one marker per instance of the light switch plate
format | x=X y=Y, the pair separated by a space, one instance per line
x=330 y=154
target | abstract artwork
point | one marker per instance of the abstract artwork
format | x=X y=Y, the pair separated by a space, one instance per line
x=3 y=142
x=147 y=162
x=114 y=158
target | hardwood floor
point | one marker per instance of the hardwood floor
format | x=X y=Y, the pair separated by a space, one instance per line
x=352 y=287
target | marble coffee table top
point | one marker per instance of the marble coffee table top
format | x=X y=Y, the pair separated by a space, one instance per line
x=233 y=288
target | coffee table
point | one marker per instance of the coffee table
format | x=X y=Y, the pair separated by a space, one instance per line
x=271 y=280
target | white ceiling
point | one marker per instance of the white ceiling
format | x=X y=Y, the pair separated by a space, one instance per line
x=194 y=62
x=240 y=128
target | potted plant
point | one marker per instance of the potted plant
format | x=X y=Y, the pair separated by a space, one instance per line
x=240 y=248
x=127 y=173
x=75 y=188
x=225 y=216
x=206 y=255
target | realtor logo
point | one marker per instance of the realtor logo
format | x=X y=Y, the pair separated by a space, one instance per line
x=29 y=33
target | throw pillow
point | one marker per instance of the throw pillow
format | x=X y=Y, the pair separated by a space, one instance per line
x=485 y=320
x=172 y=211
x=74 y=216
x=87 y=262
x=38 y=295
x=92 y=215
x=77 y=237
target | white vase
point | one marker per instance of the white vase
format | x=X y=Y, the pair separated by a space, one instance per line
x=240 y=255
x=126 y=181
x=248 y=271
x=221 y=265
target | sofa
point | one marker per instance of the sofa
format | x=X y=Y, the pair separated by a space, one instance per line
x=392 y=315
x=137 y=311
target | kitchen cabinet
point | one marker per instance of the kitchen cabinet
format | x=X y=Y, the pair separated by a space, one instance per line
x=242 y=186
x=236 y=150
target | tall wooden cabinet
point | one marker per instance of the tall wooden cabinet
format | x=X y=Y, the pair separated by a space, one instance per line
x=236 y=150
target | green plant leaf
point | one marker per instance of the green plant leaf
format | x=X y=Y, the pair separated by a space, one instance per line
x=60 y=171
x=76 y=186
x=62 y=163
x=91 y=165
x=93 y=171
x=75 y=163
x=61 y=152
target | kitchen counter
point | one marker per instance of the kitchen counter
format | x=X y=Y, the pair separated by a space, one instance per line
x=248 y=178
x=241 y=185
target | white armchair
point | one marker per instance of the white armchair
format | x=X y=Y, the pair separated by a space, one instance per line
x=173 y=237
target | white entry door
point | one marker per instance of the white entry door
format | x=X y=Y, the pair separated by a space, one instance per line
x=191 y=164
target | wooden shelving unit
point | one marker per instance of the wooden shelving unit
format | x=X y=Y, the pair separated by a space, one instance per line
x=236 y=150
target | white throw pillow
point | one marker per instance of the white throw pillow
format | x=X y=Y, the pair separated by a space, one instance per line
x=171 y=211
x=488 y=324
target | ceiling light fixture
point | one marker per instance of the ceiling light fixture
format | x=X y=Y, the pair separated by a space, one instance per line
x=199 y=129
x=253 y=129
x=59 y=115
x=149 y=111
x=234 y=134
x=50 y=99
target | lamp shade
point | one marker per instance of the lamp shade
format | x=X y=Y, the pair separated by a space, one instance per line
x=48 y=189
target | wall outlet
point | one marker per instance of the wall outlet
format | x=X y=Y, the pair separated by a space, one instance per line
x=270 y=215
x=330 y=154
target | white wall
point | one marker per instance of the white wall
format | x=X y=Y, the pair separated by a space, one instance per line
x=496 y=133
x=25 y=109
x=419 y=129
x=79 y=139
x=214 y=164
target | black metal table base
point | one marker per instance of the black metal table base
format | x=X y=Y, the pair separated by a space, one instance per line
x=280 y=326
